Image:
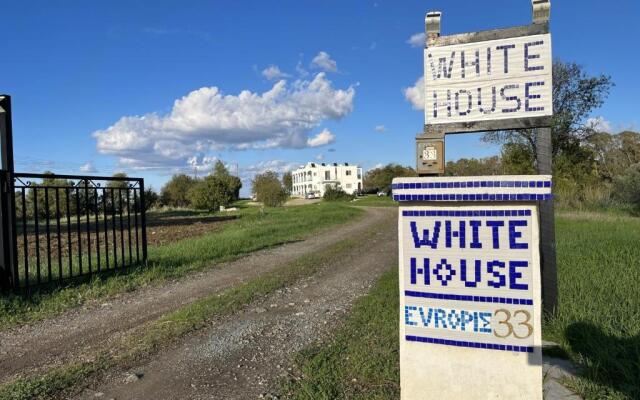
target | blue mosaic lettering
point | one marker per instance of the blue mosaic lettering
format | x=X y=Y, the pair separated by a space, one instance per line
x=425 y=241
x=465 y=64
x=514 y=275
x=506 y=49
x=460 y=234
x=495 y=226
x=440 y=317
x=453 y=323
x=463 y=273
x=424 y=271
x=475 y=227
x=528 y=96
x=511 y=98
x=493 y=101
x=528 y=56
x=426 y=320
x=408 y=315
x=469 y=101
x=448 y=275
x=514 y=234
x=485 y=317
x=465 y=318
x=491 y=268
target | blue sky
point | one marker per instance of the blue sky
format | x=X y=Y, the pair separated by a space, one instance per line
x=95 y=84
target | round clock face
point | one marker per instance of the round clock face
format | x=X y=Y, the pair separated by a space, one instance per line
x=429 y=154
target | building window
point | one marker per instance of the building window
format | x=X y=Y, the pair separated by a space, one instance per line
x=348 y=186
x=348 y=173
x=327 y=175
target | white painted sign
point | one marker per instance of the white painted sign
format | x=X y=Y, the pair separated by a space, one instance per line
x=492 y=80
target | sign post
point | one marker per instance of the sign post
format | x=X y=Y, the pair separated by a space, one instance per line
x=477 y=254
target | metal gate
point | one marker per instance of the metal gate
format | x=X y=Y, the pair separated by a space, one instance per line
x=61 y=227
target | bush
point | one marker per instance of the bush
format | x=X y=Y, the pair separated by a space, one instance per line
x=336 y=194
x=628 y=186
x=210 y=193
x=268 y=189
x=175 y=192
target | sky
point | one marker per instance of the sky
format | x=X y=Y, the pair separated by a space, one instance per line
x=153 y=88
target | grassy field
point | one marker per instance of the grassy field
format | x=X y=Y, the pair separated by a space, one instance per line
x=253 y=230
x=597 y=325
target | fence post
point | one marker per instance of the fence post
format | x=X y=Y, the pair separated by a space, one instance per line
x=143 y=221
x=8 y=241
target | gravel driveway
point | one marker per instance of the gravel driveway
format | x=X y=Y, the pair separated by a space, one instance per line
x=242 y=356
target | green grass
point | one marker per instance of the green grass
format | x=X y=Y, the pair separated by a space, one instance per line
x=152 y=336
x=361 y=361
x=254 y=230
x=597 y=325
x=375 y=201
x=598 y=318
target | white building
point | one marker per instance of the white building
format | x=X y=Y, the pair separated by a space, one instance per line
x=314 y=178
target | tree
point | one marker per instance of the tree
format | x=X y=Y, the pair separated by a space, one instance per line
x=175 y=192
x=48 y=196
x=287 y=182
x=151 y=198
x=575 y=96
x=268 y=189
x=380 y=178
x=628 y=186
x=232 y=183
x=474 y=166
x=210 y=193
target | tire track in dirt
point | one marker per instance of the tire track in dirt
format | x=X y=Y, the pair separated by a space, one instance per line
x=80 y=333
x=242 y=356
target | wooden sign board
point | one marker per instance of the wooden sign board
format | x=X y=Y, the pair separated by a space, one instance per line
x=490 y=80
x=470 y=291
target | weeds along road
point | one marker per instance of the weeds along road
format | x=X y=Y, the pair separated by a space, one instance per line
x=80 y=334
x=242 y=356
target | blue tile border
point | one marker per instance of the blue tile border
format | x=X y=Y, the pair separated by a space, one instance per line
x=471 y=184
x=475 y=345
x=478 y=299
x=466 y=213
x=473 y=197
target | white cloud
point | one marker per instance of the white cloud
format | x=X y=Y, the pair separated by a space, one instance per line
x=323 y=61
x=208 y=120
x=380 y=128
x=88 y=168
x=415 y=94
x=320 y=157
x=273 y=72
x=600 y=124
x=416 y=40
x=321 y=139
x=378 y=165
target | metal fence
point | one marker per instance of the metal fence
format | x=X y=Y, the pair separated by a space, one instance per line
x=66 y=227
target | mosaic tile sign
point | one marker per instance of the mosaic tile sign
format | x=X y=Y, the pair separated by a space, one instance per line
x=491 y=80
x=468 y=276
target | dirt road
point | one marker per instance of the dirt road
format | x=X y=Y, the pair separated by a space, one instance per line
x=79 y=334
x=242 y=356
